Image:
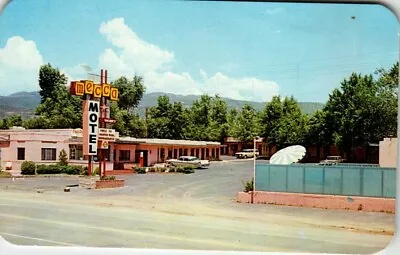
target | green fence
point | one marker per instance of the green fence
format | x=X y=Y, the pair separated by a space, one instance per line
x=344 y=180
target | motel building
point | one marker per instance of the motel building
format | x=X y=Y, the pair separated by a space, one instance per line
x=43 y=146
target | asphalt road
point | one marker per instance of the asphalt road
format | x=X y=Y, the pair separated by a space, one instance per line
x=176 y=211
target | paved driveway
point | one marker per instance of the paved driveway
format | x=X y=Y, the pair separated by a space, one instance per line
x=179 y=211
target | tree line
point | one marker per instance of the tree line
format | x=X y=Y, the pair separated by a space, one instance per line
x=363 y=109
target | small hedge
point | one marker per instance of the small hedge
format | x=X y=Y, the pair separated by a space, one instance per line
x=185 y=169
x=181 y=169
x=5 y=174
x=139 y=170
x=107 y=178
x=248 y=186
x=28 y=168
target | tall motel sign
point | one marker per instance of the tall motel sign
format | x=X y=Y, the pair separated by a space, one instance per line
x=96 y=121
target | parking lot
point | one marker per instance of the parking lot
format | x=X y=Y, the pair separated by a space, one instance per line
x=177 y=211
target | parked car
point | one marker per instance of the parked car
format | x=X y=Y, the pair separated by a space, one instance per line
x=188 y=160
x=247 y=153
x=332 y=160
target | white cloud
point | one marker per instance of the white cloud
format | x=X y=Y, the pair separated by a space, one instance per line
x=127 y=55
x=246 y=88
x=135 y=55
x=20 y=61
x=203 y=74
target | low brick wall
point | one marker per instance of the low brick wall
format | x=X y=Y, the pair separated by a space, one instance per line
x=109 y=184
x=367 y=204
x=120 y=172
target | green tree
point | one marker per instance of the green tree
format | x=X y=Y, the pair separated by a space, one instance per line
x=363 y=110
x=63 y=158
x=178 y=121
x=219 y=127
x=247 y=124
x=292 y=126
x=50 y=80
x=130 y=92
x=58 y=106
x=127 y=124
x=232 y=121
x=270 y=119
x=200 y=119
x=11 y=121
x=158 y=121
x=38 y=122
x=283 y=123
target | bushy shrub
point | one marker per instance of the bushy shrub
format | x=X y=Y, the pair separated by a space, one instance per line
x=84 y=171
x=248 y=186
x=140 y=170
x=4 y=174
x=161 y=169
x=72 y=170
x=28 y=168
x=96 y=171
x=189 y=169
x=58 y=169
x=63 y=158
x=107 y=178
x=152 y=169
x=49 y=169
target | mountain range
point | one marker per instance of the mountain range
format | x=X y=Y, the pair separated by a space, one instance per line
x=25 y=103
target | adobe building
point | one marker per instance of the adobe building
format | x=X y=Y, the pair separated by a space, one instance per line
x=388 y=152
x=232 y=145
x=43 y=146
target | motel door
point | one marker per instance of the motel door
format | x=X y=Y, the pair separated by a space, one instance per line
x=202 y=153
x=145 y=156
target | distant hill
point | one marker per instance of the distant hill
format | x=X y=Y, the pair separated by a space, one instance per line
x=151 y=100
x=25 y=103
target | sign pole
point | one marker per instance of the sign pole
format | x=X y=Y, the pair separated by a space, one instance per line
x=90 y=167
x=96 y=121
x=99 y=154
x=105 y=124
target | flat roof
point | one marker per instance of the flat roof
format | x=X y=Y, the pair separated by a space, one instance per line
x=165 y=141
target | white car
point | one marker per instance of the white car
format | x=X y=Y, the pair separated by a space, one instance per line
x=332 y=160
x=188 y=160
x=247 y=153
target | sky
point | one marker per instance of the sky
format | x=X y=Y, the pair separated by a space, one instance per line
x=245 y=51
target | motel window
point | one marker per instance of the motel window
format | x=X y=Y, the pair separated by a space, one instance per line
x=108 y=154
x=124 y=155
x=162 y=154
x=49 y=154
x=21 y=154
x=76 y=152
